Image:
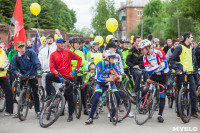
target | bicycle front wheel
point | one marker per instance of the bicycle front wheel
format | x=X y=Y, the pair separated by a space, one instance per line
x=51 y=111
x=78 y=102
x=23 y=104
x=144 y=109
x=2 y=100
x=184 y=105
x=112 y=107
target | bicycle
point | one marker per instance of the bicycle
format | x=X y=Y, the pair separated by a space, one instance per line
x=2 y=100
x=16 y=89
x=53 y=107
x=148 y=103
x=26 y=98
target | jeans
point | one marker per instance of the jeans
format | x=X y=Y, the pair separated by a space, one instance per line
x=192 y=89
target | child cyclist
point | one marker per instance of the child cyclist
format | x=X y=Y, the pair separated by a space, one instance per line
x=102 y=77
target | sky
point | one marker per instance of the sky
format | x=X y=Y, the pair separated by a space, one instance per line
x=83 y=10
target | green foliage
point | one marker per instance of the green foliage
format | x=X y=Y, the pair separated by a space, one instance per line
x=105 y=9
x=152 y=8
x=54 y=14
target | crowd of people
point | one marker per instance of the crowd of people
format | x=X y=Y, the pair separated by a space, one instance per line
x=56 y=57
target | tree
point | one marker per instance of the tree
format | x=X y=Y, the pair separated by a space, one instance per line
x=152 y=8
x=105 y=9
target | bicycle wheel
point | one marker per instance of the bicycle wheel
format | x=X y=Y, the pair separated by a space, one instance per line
x=144 y=109
x=78 y=102
x=41 y=96
x=16 y=89
x=2 y=100
x=125 y=104
x=112 y=108
x=170 y=96
x=23 y=104
x=89 y=100
x=184 y=105
x=129 y=88
x=51 y=111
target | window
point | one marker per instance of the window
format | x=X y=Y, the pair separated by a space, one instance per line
x=139 y=13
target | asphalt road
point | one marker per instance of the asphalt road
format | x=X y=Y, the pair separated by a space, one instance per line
x=101 y=125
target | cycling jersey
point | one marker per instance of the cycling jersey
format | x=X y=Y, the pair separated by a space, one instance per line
x=90 y=56
x=103 y=76
x=125 y=54
x=4 y=63
x=156 y=58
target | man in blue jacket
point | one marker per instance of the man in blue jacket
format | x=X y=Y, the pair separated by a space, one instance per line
x=27 y=62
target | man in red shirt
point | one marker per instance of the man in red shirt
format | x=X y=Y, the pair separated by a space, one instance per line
x=60 y=62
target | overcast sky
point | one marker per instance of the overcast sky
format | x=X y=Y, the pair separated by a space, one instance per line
x=83 y=13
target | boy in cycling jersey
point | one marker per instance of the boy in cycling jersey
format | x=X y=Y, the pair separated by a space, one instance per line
x=155 y=63
x=102 y=77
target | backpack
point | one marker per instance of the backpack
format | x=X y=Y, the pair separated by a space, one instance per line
x=103 y=65
x=17 y=58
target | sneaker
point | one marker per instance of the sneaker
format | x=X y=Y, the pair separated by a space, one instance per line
x=160 y=119
x=47 y=98
x=70 y=118
x=114 y=119
x=9 y=114
x=89 y=121
x=38 y=114
x=177 y=116
x=16 y=116
x=194 y=116
x=130 y=115
x=108 y=115
x=86 y=112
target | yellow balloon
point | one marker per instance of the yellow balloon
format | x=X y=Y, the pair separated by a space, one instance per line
x=112 y=24
x=109 y=37
x=132 y=37
x=42 y=38
x=55 y=37
x=98 y=58
x=91 y=35
x=35 y=9
x=131 y=41
x=99 y=39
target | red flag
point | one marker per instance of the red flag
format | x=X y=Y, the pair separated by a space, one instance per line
x=19 y=35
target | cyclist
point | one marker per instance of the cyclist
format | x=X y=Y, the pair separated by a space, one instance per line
x=169 y=44
x=29 y=65
x=155 y=63
x=184 y=52
x=102 y=77
x=125 y=50
x=75 y=45
x=91 y=54
x=135 y=61
x=60 y=62
x=4 y=84
x=157 y=43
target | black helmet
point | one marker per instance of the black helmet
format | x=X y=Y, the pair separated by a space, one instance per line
x=74 y=40
x=126 y=41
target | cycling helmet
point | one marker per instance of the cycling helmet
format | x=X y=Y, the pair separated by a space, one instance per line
x=144 y=43
x=87 y=66
x=74 y=40
x=126 y=41
x=156 y=40
x=94 y=43
x=109 y=53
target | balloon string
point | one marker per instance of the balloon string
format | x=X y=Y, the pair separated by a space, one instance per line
x=38 y=22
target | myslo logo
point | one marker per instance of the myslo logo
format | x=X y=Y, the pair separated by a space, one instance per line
x=185 y=129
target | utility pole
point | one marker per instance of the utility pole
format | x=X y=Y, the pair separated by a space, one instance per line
x=178 y=21
x=142 y=17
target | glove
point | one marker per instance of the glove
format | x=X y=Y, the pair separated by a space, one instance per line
x=2 y=69
x=74 y=71
x=39 y=74
x=19 y=75
x=61 y=79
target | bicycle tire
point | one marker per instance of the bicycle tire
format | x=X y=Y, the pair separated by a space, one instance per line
x=46 y=108
x=184 y=93
x=41 y=96
x=127 y=87
x=23 y=100
x=112 y=105
x=3 y=100
x=78 y=103
x=148 y=102
x=170 y=98
x=126 y=102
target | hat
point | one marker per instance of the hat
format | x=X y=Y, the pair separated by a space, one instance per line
x=50 y=35
x=20 y=44
x=59 y=39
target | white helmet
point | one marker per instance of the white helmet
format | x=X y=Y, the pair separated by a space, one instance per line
x=156 y=40
x=94 y=43
x=144 y=43
x=108 y=53
x=87 y=66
